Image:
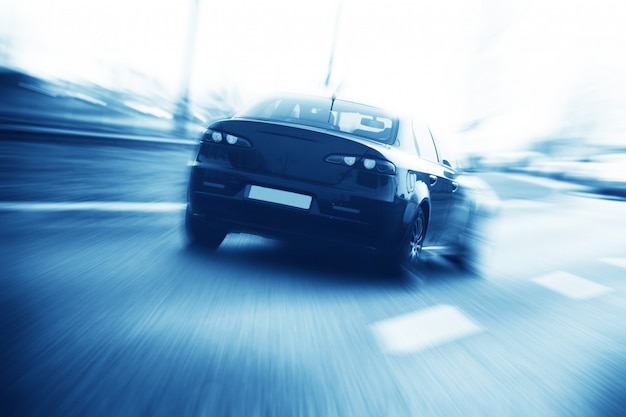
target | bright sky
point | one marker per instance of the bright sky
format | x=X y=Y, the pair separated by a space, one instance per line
x=99 y=40
x=389 y=51
x=518 y=63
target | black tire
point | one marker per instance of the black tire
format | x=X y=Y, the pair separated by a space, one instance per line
x=200 y=234
x=408 y=255
x=412 y=247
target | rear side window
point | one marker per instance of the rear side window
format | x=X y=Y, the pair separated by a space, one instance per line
x=424 y=142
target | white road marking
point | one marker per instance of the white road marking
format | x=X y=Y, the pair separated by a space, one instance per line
x=621 y=262
x=120 y=206
x=423 y=329
x=571 y=285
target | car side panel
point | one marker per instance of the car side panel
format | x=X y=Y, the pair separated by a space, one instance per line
x=440 y=193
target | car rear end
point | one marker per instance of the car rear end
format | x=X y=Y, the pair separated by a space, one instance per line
x=284 y=179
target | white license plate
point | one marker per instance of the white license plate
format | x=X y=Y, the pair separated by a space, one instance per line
x=285 y=198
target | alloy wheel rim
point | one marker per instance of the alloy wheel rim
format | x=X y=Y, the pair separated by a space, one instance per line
x=415 y=243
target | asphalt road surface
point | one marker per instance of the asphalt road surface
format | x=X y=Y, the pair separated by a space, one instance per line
x=104 y=311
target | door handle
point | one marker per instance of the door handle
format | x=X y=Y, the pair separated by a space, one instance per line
x=433 y=179
x=455 y=186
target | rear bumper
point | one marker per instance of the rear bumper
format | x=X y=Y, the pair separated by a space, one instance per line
x=372 y=219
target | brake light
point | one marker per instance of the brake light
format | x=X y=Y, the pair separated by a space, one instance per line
x=369 y=164
x=219 y=137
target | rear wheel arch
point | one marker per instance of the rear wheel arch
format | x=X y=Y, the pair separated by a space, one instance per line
x=421 y=192
x=419 y=199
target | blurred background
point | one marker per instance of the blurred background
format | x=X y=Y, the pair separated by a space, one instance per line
x=505 y=76
x=104 y=311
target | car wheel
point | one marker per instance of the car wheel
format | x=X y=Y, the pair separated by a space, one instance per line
x=200 y=234
x=412 y=247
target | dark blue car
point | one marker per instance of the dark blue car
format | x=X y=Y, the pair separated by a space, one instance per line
x=314 y=168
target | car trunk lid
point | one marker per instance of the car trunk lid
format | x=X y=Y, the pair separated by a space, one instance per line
x=292 y=151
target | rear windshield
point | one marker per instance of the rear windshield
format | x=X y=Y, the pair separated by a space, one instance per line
x=358 y=119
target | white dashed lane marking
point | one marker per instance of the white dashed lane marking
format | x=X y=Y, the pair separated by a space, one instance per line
x=571 y=285
x=621 y=262
x=423 y=329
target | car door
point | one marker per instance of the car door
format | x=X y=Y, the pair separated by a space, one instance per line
x=439 y=178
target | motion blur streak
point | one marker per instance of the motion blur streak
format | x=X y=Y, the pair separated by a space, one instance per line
x=93 y=206
x=105 y=311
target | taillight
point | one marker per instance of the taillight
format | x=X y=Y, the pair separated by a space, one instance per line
x=221 y=137
x=369 y=164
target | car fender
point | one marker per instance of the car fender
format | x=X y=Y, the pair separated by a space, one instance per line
x=420 y=196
